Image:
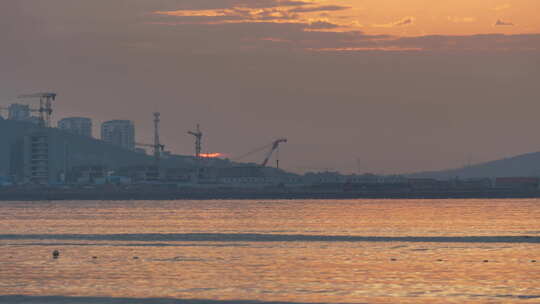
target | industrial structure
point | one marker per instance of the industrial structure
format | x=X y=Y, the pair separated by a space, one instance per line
x=158 y=147
x=153 y=173
x=275 y=147
x=45 y=109
x=198 y=141
x=120 y=133
x=33 y=155
x=33 y=152
x=269 y=148
x=76 y=125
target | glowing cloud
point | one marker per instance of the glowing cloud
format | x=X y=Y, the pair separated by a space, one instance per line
x=502 y=23
x=324 y=8
x=236 y=14
x=402 y=22
x=461 y=19
x=321 y=25
x=312 y=22
x=502 y=7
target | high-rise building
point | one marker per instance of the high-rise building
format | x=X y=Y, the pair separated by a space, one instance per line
x=37 y=163
x=119 y=132
x=77 y=125
x=19 y=112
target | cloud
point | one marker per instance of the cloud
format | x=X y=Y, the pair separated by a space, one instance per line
x=227 y=4
x=406 y=21
x=226 y=30
x=229 y=75
x=321 y=25
x=433 y=43
x=461 y=19
x=402 y=22
x=236 y=14
x=320 y=36
x=323 y=8
x=242 y=13
x=484 y=43
x=502 y=7
x=502 y=23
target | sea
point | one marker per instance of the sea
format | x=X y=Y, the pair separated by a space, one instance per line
x=271 y=251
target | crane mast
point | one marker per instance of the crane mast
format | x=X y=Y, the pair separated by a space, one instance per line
x=45 y=107
x=157 y=147
x=198 y=141
x=275 y=146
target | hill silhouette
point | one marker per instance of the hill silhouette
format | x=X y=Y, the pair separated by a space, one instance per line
x=524 y=165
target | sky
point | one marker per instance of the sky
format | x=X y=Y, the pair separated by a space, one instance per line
x=382 y=86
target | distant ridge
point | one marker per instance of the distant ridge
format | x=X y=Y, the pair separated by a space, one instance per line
x=524 y=165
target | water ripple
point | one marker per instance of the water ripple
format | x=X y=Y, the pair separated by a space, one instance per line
x=16 y=299
x=252 y=237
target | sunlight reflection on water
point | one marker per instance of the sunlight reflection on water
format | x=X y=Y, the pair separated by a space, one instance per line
x=411 y=251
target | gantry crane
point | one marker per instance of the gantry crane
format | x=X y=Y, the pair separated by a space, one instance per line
x=45 y=107
x=198 y=141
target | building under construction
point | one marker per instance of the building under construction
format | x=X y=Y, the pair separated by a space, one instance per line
x=33 y=152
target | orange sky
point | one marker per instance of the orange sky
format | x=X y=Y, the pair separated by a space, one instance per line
x=457 y=17
x=429 y=102
x=399 y=17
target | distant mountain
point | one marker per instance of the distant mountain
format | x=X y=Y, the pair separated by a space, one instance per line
x=524 y=165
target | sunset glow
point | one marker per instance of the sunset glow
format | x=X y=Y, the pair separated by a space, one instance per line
x=344 y=80
x=212 y=155
x=390 y=17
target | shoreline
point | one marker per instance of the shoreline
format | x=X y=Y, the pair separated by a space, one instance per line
x=55 y=195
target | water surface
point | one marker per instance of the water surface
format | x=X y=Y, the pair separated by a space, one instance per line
x=294 y=251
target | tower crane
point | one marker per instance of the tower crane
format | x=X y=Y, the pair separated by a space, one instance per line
x=157 y=147
x=45 y=106
x=273 y=147
x=157 y=156
x=198 y=141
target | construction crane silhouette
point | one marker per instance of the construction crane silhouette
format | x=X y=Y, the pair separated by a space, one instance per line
x=157 y=147
x=198 y=141
x=273 y=147
x=45 y=107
